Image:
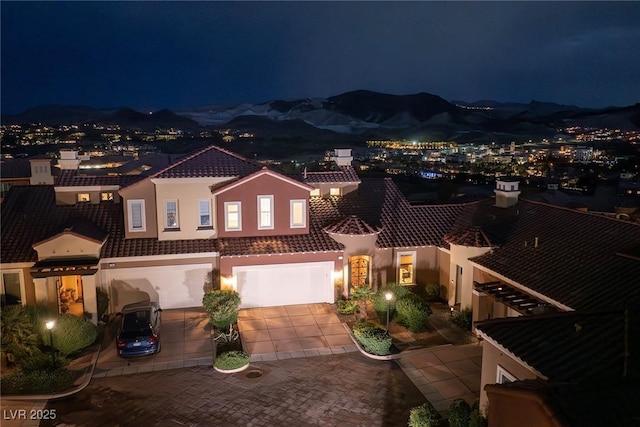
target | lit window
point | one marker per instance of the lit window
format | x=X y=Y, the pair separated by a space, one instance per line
x=136 y=215
x=504 y=376
x=315 y=192
x=406 y=267
x=298 y=213
x=334 y=191
x=265 y=212
x=205 y=214
x=84 y=197
x=106 y=197
x=232 y=218
x=171 y=214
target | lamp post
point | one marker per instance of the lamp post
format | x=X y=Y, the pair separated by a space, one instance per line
x=388 y=297
x=50 y=324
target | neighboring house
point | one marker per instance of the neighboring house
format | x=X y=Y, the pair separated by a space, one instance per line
x=563 y=369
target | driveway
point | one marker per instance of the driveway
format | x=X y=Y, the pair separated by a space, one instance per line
x=334 y=390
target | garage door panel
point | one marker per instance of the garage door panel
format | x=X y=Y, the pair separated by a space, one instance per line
x=284 y=284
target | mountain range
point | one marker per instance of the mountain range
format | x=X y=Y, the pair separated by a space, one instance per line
x=362 y=114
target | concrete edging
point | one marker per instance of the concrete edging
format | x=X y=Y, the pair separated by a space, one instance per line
x=364 y=352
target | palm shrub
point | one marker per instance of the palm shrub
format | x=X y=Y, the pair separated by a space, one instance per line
x=413 y=312
x=347 y=306
x=222 y=306
x=458 y=414
x=231 y=360
x=374 y=339
x=71 y=334
x=423 y=416
x=19 y=334
x=362 y=294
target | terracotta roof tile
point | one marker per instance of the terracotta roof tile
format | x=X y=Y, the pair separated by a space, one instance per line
x=345 y=174
x=472 y=237
x=352 y=226
x=76 y=178
x=212 y=161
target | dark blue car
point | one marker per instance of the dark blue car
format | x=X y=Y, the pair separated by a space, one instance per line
x=139 y=329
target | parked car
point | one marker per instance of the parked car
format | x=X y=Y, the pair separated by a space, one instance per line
x=139 y=329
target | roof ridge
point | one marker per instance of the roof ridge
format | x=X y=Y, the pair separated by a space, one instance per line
x=591 y=214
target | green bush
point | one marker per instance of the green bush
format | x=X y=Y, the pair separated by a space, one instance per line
x=458 y=414
x=432 y=292
x=19 y=333
x=222 y=306
x=374 y=339
x=464 y=319
x=70 y=334
x=413 y=313
x=42 y=362
x=423 y=416
x=347 y=306
x=41 y=381
x=380 y=301
x=231 y=360
x=476 y=419
x=102 y=298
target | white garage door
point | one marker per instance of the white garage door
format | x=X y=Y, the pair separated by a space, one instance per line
x=284 y=284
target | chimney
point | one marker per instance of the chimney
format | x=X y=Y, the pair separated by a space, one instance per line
x=342 y=156
x=507 y=193
x=69 y=160
x=40 y=171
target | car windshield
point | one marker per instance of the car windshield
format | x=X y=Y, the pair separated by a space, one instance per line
x=136 y=324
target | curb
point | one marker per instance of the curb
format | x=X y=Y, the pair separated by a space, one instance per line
x=369 y=355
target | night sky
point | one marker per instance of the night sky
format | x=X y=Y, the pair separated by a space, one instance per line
x=149 y=55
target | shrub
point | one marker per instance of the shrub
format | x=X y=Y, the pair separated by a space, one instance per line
x=458 y=414
x=70 y=334
x=102 y=298
x=19 y=333
x=423 y=416
x=222 y=306
x=362 y=294
x=374 y=339
x=464 y=319
x=41 y=381
x=42 y=362
x=347 y=306
x=231 y=360
x=380 y=302
x=432 y=292
x=413 y=312
x=476 y=419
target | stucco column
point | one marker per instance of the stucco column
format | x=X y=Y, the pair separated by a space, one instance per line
x=90 y=298
x=46 y=293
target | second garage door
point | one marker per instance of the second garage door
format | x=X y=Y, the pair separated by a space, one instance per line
x=285 y=284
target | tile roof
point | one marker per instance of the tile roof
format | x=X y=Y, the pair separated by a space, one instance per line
x=572 y=345
x=472 y=236
x=580 y=260
x=77 y=178
x=212 y=161
x=352 y=226
x=345 y=174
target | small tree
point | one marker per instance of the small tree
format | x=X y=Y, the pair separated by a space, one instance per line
x=362 y=294
x=222 y=306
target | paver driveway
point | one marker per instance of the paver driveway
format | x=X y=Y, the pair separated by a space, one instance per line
x=334 y=390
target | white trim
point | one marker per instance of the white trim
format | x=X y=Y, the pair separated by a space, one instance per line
x=510 y=354
x=92 y=188
x=523 y=288
x=259 y=174
x=414 y=255
x=271 y=212
x=130 y=203
x=20 y=278
x=166 y=215
x=226 y=216
x=303 y=203
x=500 y=371
x=130 y=259
x=16 y=265
x=208 y=202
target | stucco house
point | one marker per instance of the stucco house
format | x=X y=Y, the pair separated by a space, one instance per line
x=281 y=240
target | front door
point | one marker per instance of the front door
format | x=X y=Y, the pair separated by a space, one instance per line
x=70 y=295
x=359 y=271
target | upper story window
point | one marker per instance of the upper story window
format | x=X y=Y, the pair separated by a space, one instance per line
x=298 y=214
x=334 y=191
x=204 y=217
x=232 y=216
x=504 y=376
x=315 y=192
x=265 y=212
x=84 y=197
x=136 y=215
x=106 y=197
x=171 y=213
x=406 y=268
